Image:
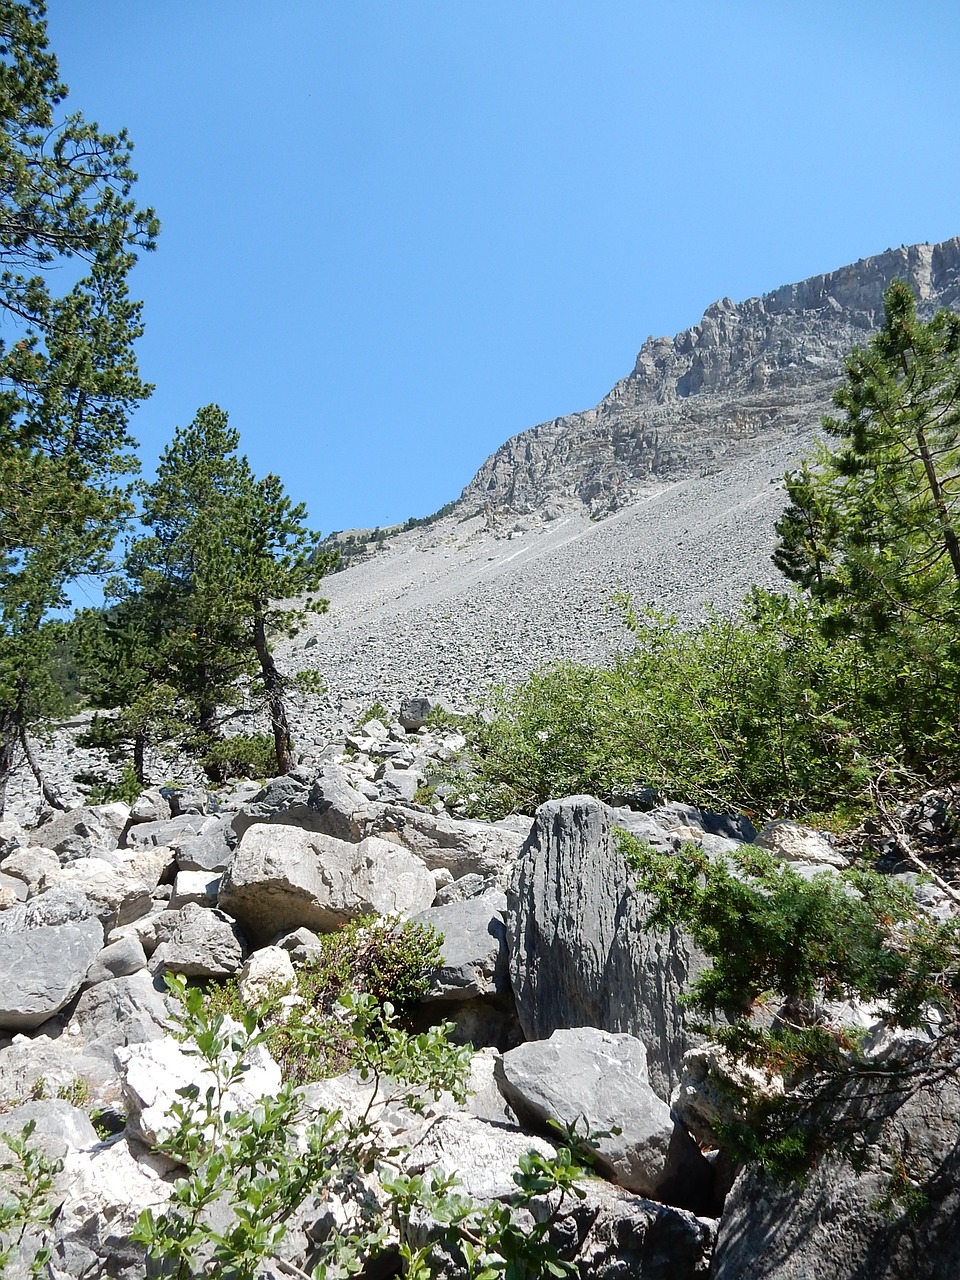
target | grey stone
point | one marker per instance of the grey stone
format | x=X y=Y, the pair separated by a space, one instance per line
x=580 y=950
x=115 y=1012
x=414 y=712
x=60 y=1126
x=42 y=969
x=117 y=897
x=462 y=846
x=474 y=948
x=173 y=832
x=119 y=959
x=597 y=1082
x=12 y=890
x=80 y=833
x=198 y=943
x=282 y=877
x=150 y=806
x=893 y=1215
x=195 y=886
x=62 y=904
x=38 y=868
x=12 y=837
x=211 y=849
x=792 y=842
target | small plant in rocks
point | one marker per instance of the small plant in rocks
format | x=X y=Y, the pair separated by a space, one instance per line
x=388 y=960
x=26 y=1181
x=247 y=1174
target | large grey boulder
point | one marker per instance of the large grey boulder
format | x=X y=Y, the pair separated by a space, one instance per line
x=581 y=953
x=474 y=948
x=460 y=846
x=330 y=806
x=82 y=833
x=172 y=832
x=38 y=868
x=42 y=969
x=118 y=959
x=115 y=1012
x=282 y=878
x=891 y=1213
x=198 y=942
x=211 y=849
x=597 y=1082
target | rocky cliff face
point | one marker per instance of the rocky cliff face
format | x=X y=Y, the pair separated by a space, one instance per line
x=748 y=374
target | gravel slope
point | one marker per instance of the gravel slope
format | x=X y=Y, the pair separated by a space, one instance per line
x=450 y=610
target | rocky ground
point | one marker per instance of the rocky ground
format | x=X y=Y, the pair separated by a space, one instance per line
x=456 y=608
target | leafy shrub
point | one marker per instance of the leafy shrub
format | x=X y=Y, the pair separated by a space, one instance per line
x=252 y=1171
x=758 y=713
x=388 y=961
x=781 y=944
x=242 y=755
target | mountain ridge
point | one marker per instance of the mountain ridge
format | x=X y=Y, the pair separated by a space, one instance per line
x=748 y=373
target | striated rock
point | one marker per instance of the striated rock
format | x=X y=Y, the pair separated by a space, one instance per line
x=282 y=878
x=42 y=969
x=710 y=1084
x=580 y=951
x=597 y=1082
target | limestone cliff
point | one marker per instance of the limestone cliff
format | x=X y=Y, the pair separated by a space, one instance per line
x=747 y=374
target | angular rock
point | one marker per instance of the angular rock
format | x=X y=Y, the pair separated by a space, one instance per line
x=38 y=868
x=474 y=948
x=107 y=1190
x=597 y=1082
x=119 y=959
x=29 y=1066
x=42 y=969
x=115 y=1012
x=710 y=1082
x=267 y=974
x=614 y=1235
x=150 y=806
x=211 y=849
x=194 y=886
x=414 y=712
x=580 y=950
x=463 y=847
x=791 y=842
x=151 y=1074
x=483 y=1153
x=331 y=806
x=117 y=898
x=82 y=833
x=12 y=837
x=198 y=943
x=173 y=832
x=282 y=878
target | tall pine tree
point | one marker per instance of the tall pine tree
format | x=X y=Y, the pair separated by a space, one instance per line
x=214 y=579
x=68 y=377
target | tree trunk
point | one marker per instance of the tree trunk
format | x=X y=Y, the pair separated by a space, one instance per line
x=8 y=752
x=273 y=684
x=51 y=797
x=139 y=752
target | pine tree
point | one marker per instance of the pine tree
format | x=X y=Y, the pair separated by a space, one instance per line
x=871 y=530
x=225 y=554
x=68 y=377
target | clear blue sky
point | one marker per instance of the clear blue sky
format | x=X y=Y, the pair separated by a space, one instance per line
x=396 y=232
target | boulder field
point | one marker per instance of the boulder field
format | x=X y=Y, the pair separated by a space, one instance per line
x=572 y=1004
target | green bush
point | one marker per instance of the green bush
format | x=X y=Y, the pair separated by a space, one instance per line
x=759 y=713
x=389 y=961
x=242 y=755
